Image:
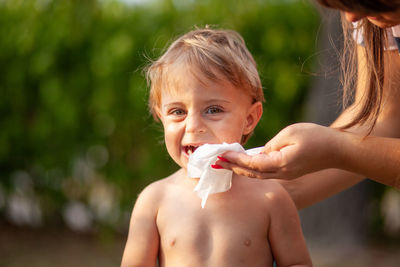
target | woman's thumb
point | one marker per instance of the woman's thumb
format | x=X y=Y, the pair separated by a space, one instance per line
x=275 y=144
x=269 y=146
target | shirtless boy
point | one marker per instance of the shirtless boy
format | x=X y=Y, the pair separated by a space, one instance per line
x=206 y=89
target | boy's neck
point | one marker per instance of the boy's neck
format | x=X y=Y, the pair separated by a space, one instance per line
x=181 y=176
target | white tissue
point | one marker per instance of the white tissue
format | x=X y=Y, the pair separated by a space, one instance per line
x=212 y=180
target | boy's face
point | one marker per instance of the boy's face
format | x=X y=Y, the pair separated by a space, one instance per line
x=194 y=114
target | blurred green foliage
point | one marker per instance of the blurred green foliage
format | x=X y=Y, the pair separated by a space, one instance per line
x=76 y=135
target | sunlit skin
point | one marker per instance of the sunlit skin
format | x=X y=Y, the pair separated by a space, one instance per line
x=249 y=225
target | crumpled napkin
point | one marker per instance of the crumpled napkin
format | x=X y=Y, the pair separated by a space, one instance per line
x=212 y=180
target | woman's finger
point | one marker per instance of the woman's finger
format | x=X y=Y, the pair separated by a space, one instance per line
x=260 y=163
x=278 y=141
x=246 y=172
x=253 y=173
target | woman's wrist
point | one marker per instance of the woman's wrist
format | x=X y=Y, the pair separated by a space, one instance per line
x=345 y=149
x=339 y=149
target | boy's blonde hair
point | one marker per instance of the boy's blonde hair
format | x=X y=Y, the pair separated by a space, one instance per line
x=217 y=55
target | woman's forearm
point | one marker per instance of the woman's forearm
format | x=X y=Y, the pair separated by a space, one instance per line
x=377 y=158
x=357 y=162
x=317 y=186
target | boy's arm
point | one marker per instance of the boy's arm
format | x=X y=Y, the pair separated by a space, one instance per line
x=143 y=239
x=285 y=235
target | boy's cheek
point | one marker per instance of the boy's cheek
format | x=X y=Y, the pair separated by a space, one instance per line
x=170 y=128
x=229 y=134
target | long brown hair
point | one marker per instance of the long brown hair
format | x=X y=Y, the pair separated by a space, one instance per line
x=375 y=40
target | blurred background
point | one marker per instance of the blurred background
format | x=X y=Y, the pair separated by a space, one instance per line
x=77 y=143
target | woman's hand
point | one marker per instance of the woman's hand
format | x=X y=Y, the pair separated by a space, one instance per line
x=297 y=150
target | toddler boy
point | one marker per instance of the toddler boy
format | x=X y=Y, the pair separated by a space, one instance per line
x=205 y=89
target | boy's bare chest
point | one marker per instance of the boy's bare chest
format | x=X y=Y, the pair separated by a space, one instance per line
x=227 y=229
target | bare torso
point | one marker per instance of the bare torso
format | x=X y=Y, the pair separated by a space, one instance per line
x=232 y=229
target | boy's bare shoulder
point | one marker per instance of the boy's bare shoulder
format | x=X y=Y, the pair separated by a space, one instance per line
x=276 y=191
x=270 y=190
x=279 y=199
x=271 y=186
x=157 y=189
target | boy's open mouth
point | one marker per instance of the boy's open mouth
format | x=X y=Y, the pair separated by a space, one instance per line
x=190 y=149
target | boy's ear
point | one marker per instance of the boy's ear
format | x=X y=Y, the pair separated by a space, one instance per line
x=253 y=117
x=157 y=114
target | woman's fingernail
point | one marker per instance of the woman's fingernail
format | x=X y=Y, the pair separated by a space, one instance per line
x=216 y=166
x=222 y=159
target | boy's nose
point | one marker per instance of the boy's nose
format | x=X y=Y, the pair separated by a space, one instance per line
x=194 y=124
x=352 y=17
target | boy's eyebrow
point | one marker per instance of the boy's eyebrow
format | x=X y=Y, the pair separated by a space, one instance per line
x=172 y=104
x=210 y=101
x=217 y=100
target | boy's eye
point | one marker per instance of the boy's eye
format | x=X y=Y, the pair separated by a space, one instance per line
x=176 y=112
x=214 y=110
